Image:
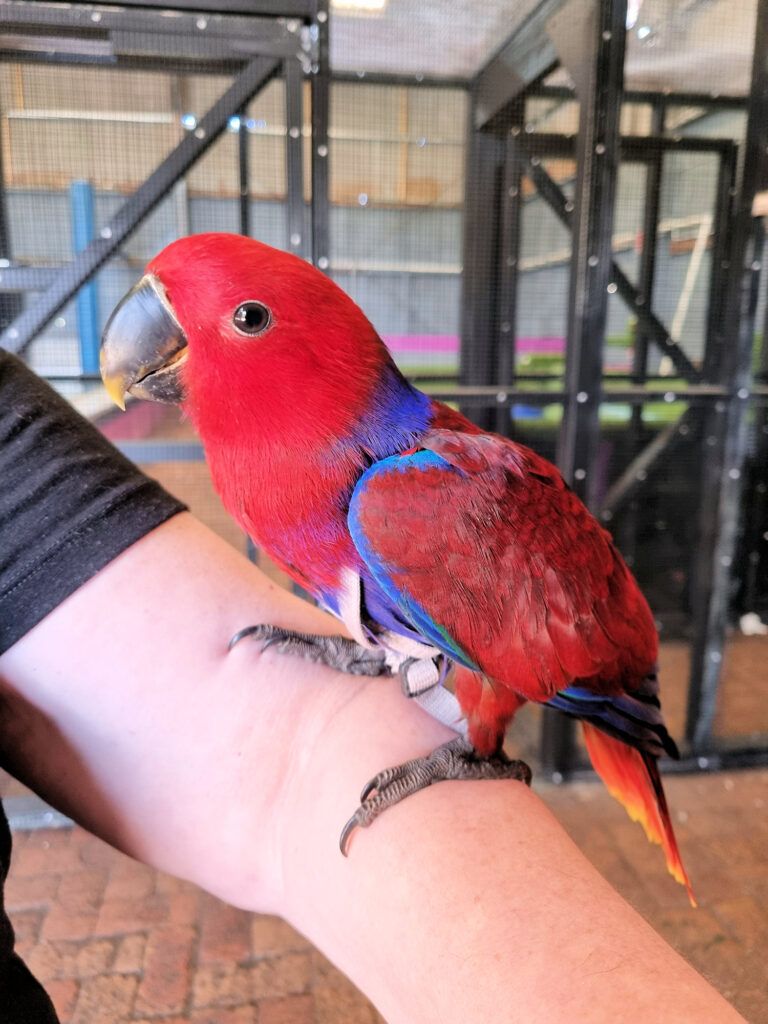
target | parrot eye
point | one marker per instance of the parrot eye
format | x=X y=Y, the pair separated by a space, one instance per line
x=251 y=318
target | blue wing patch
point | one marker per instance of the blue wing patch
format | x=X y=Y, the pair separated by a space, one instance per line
x=406 y=604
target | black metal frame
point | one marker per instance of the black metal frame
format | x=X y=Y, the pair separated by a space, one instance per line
x=718 y=392
x=253 y=41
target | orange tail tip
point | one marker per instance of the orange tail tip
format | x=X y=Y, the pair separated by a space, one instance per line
x=633 y=778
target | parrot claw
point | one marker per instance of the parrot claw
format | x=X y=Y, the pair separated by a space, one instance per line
x=456 y=759
x=337 y=652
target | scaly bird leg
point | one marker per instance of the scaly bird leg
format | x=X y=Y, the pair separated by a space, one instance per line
x=453 y=760
x=337 y=652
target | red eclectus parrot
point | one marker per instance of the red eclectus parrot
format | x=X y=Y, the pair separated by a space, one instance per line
x=441 y=547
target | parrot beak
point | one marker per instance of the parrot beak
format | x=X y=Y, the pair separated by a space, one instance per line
x=143 y=347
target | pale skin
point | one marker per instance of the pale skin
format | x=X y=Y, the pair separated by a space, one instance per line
x=466 y=902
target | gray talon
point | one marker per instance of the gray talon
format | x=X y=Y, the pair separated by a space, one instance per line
x=337 y=652
x=453 y=760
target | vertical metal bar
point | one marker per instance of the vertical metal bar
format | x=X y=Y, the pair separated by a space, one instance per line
x=480 y=276
x=721 y=511
x=10 y=304
x=599 y=86
x=650 y=242
x=298 y=242
x=321 y=76
x=721 y=242
x=509 y=255
x=81 y=204
x=243 y=165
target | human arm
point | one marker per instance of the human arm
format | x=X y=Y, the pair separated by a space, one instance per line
x=465 y=902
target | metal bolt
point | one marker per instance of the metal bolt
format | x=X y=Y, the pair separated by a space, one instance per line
x=611 y=288
x=743 y=393
x=96 y=16
x=641 y=474
x=640 y=300
x=514 y=131
x=607 y=515
x=569 y=206
x=323 y=262
x=756 y=264
x=734 y=473
x=322 y=151
x=199 y=133
x=512 y=192
x=293 y=25
x=506 y=327
x=711 y=441
x=703 y=762
x=295 y=132
x=720 y=406
x=106 y=232
x=580 y=474
x=535 y=161
x=684 y=429
x=669 y=396
x=501 y=397
x=530 y=128
x=726 y=560
x=202 y=24
x=557 y=778
x=600 y=148
x=13 y=333
x=295 y=238
x=607 y=35
x=593 y=261
x=322 y=17
x=582 y=397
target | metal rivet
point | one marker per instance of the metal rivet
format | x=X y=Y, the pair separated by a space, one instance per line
x=569 y=206
x=600 y=148
x=743 y=393
x=530 y=128
x=639 y=300
x=734 y=473
x=322 y=151
x=512 y=192
x=501 y=396
x=293 y=25
x=669 y=396
x=756 y=264
x=582 y=397
x=322 y=17
x=641 y=474
x=106 y=232
x=13 y=333
x=96 y=16
x=557 y=778
x=711 y=441
x=506 y=327
x=612 y=288
x=684 y=428
x=607 y=35
x=199 y=133
x=607 y=515
x=295 y=239
x=323 y=262
x=593 y=261
x=202 y=23
x=725 y=264
x=703 y=762
x=295 y=132
x=535 y=161
x=580 y=474
x=726 y=560
x=720 y=406
x=514 y=131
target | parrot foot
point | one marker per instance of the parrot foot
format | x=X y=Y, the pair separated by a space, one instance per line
x=337 y=652
x=456 y=759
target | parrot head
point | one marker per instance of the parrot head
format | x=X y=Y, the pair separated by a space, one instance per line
x=235 y=331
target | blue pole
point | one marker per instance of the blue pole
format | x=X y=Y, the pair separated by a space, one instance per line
x=81 y=202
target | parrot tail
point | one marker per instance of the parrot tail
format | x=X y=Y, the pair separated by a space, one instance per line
x=632 y=776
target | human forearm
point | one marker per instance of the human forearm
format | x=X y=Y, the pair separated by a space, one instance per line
x=465 y=902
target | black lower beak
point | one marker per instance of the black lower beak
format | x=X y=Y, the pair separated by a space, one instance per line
x=143 y=347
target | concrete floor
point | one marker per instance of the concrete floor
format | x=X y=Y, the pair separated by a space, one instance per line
x=116 y=942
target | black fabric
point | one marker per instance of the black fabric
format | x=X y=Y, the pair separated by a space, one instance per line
x=69 y=503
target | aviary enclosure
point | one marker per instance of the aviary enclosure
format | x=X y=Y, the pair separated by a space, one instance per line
x=552 y=211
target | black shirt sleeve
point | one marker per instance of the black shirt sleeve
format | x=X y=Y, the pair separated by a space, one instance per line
x=69 y=501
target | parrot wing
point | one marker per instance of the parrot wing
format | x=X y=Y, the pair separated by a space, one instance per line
x=481 y=545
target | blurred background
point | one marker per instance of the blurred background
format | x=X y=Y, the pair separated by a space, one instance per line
x=553 y=213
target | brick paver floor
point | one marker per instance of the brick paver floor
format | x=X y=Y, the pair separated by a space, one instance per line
x=116 y=942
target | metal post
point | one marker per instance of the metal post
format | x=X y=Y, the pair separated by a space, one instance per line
x=509 y=255
x=321 y=77
x=243 y=166
x=650 y=241
x=298 y=241
x=81 y=200
x=723 y=466
x=598 y=70
x=10 y=305
x=480 y=277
